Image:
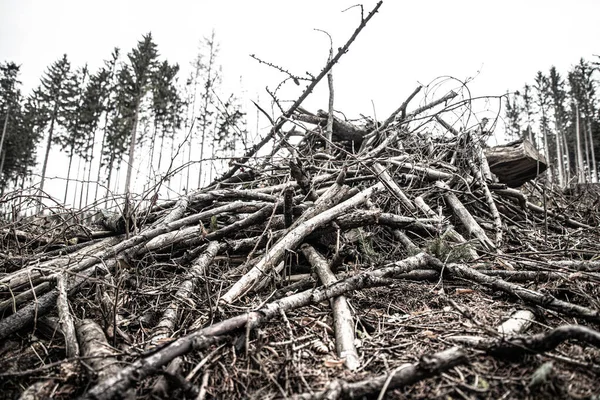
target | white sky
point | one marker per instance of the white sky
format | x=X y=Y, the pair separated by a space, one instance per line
x=503 y=43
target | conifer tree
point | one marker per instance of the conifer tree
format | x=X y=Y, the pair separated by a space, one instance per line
x=71 y=138
x=528 y=110
x=165 y=106
x=9 y=96
x=53 y=93
x=542 y=88
x=22 y=132
x=119 y=126
x=557 y=102
x=108 y=106
x=142 y=61
x=92 y=108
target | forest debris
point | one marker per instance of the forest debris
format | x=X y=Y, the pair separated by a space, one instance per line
x=518 y=322
x=406 y=374
x=516 y=162
x=466 y=218
x=210 y=276
x=342 y=317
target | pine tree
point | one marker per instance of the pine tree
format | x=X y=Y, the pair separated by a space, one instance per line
x=22 y=135
x=557 y=100
x=92 y=108
x=54 y=95
x=71 y=138
x=143 y=61
x=528 y=110
x=513 y=116
x=542 y=91
x=165 y=105
x=119 y=126
x=108 y=106
x=9 y=96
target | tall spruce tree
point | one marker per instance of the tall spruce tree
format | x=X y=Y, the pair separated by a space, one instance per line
x=109 y=109
x=91 y=110
x=72 y=137
x=557 y=102
x=165 y=106
x=528 y=110
x=542 y=100
x=513 y=115
x=54 y=94
x=142 y=61
x=9 y=97
x=587 y=99
x=19 y=135
x=575 y=93
x=119 y=126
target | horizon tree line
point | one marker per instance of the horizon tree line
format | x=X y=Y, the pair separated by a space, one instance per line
x=132 y=114
x=561 y=117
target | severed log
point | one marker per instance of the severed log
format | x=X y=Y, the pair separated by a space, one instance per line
x=516 y=163
x=527 y=295
x=429 y=365
x=384 y=175
x=405 y=240
x=167 y=324
x=96 y=349
x=342 y=316
x=466 y=218
x=517 y=346
x=66 y=319
x=342 y=130
x=171 y=315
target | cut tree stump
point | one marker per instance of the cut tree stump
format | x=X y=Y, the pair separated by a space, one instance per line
x=516 y=163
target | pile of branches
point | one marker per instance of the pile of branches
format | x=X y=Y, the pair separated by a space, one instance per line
x=366 y=259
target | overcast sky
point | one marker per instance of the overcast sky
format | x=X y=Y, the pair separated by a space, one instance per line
x=500 y=44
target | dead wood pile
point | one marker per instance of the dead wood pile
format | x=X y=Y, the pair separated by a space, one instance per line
x=388 y=260
x=422 y=255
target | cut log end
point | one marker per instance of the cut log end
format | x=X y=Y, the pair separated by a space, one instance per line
x=516 y=163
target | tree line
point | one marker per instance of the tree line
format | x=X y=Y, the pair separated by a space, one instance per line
x=132 y=113
x=560 y=116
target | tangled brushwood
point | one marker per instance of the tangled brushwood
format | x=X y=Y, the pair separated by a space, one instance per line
x=399 y=259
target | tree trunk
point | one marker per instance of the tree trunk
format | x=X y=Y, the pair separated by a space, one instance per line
x=565 y=148
x=546 y=149
x=580 y=168
x=160 y=153
x=132 y=146
x=592 y=166
x=76 y=183
x=559 y=157
x=69 y=173
x=48 y=146
x=100 y=157
x=2 y=157
x=4 y=128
